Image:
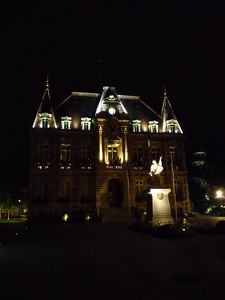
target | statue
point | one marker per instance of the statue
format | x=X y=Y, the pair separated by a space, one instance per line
x=155 y=170
x=161 y=213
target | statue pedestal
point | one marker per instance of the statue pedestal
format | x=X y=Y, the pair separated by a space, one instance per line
x=161 y=213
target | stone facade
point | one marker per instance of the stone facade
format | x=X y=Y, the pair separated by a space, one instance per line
x=94 y=151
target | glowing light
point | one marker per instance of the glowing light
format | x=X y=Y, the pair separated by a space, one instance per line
x=65 y=217
x=100 y=145
x=219 y=194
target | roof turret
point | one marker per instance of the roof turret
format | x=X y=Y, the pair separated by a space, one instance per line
x=45 y=110
x=168 y=116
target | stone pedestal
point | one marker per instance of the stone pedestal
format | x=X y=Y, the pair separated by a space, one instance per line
x=161 y=213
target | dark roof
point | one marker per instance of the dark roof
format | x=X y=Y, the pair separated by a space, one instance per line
x=80 y=105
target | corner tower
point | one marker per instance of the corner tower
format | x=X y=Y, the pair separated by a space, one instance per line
x=45 y=116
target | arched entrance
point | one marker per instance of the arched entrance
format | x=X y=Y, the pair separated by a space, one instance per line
x=115 y=193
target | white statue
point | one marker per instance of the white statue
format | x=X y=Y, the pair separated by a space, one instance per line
x=156 y=168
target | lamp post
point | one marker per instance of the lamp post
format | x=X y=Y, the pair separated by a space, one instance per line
x=19 y=201
x=220 y=197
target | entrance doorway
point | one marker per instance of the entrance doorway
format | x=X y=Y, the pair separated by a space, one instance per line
x=115 y=193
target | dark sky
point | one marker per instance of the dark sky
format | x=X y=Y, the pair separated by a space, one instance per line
x=142 y=44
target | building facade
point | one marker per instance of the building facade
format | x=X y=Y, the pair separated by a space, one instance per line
x=94 y=152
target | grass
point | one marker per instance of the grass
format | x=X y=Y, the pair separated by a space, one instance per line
x=14 y=220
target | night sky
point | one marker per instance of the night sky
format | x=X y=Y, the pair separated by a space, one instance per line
x=136 y=46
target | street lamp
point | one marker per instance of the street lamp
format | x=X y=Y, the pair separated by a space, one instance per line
x=220 y=197
x=219 y=194
x=19 y=201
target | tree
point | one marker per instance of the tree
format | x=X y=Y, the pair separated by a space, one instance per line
x=200 y=181
x=8 y=200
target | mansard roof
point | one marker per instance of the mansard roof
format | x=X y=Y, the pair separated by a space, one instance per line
x=104 y=105
x=81 y=104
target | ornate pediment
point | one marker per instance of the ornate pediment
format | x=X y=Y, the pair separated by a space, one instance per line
x=113 y=141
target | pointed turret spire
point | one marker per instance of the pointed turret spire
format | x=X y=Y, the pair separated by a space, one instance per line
x=45 y=115
x=168 y=116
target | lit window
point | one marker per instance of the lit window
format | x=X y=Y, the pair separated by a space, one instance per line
x=112 y=155
x=66 y=122
x=171 y=126
x=136 y=126
x=45 y=120
x=153 y=126
x=86 y=123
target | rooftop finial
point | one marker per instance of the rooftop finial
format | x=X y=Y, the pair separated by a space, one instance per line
x=165 y=94
x=47 y=82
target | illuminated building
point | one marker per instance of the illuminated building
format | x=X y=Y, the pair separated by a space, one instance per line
x=94 y=151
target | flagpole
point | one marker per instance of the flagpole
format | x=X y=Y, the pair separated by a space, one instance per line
x=128 y=190
x=173 y=186
x=149 y=152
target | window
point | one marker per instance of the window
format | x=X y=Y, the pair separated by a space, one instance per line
x=139 y=190
x=171 y=126
x=65 y=192
x=85 y=190
x=155 y=153
x=66 y=122
x=65 y=156
x=86 y=157
x=112 y=155
x=173 y=156
x=137 y=157
x=45 y=120
x=86 y=123
x=85 y=151
x=43 y=156
x=153 y=126
x=136 y=126
x=41 y=192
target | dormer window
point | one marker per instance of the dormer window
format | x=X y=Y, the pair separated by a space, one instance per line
x=66 y=122
x=153 y=126
x=136 y=126
x=171 y=126
x=86 y=123
x=45 y=120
